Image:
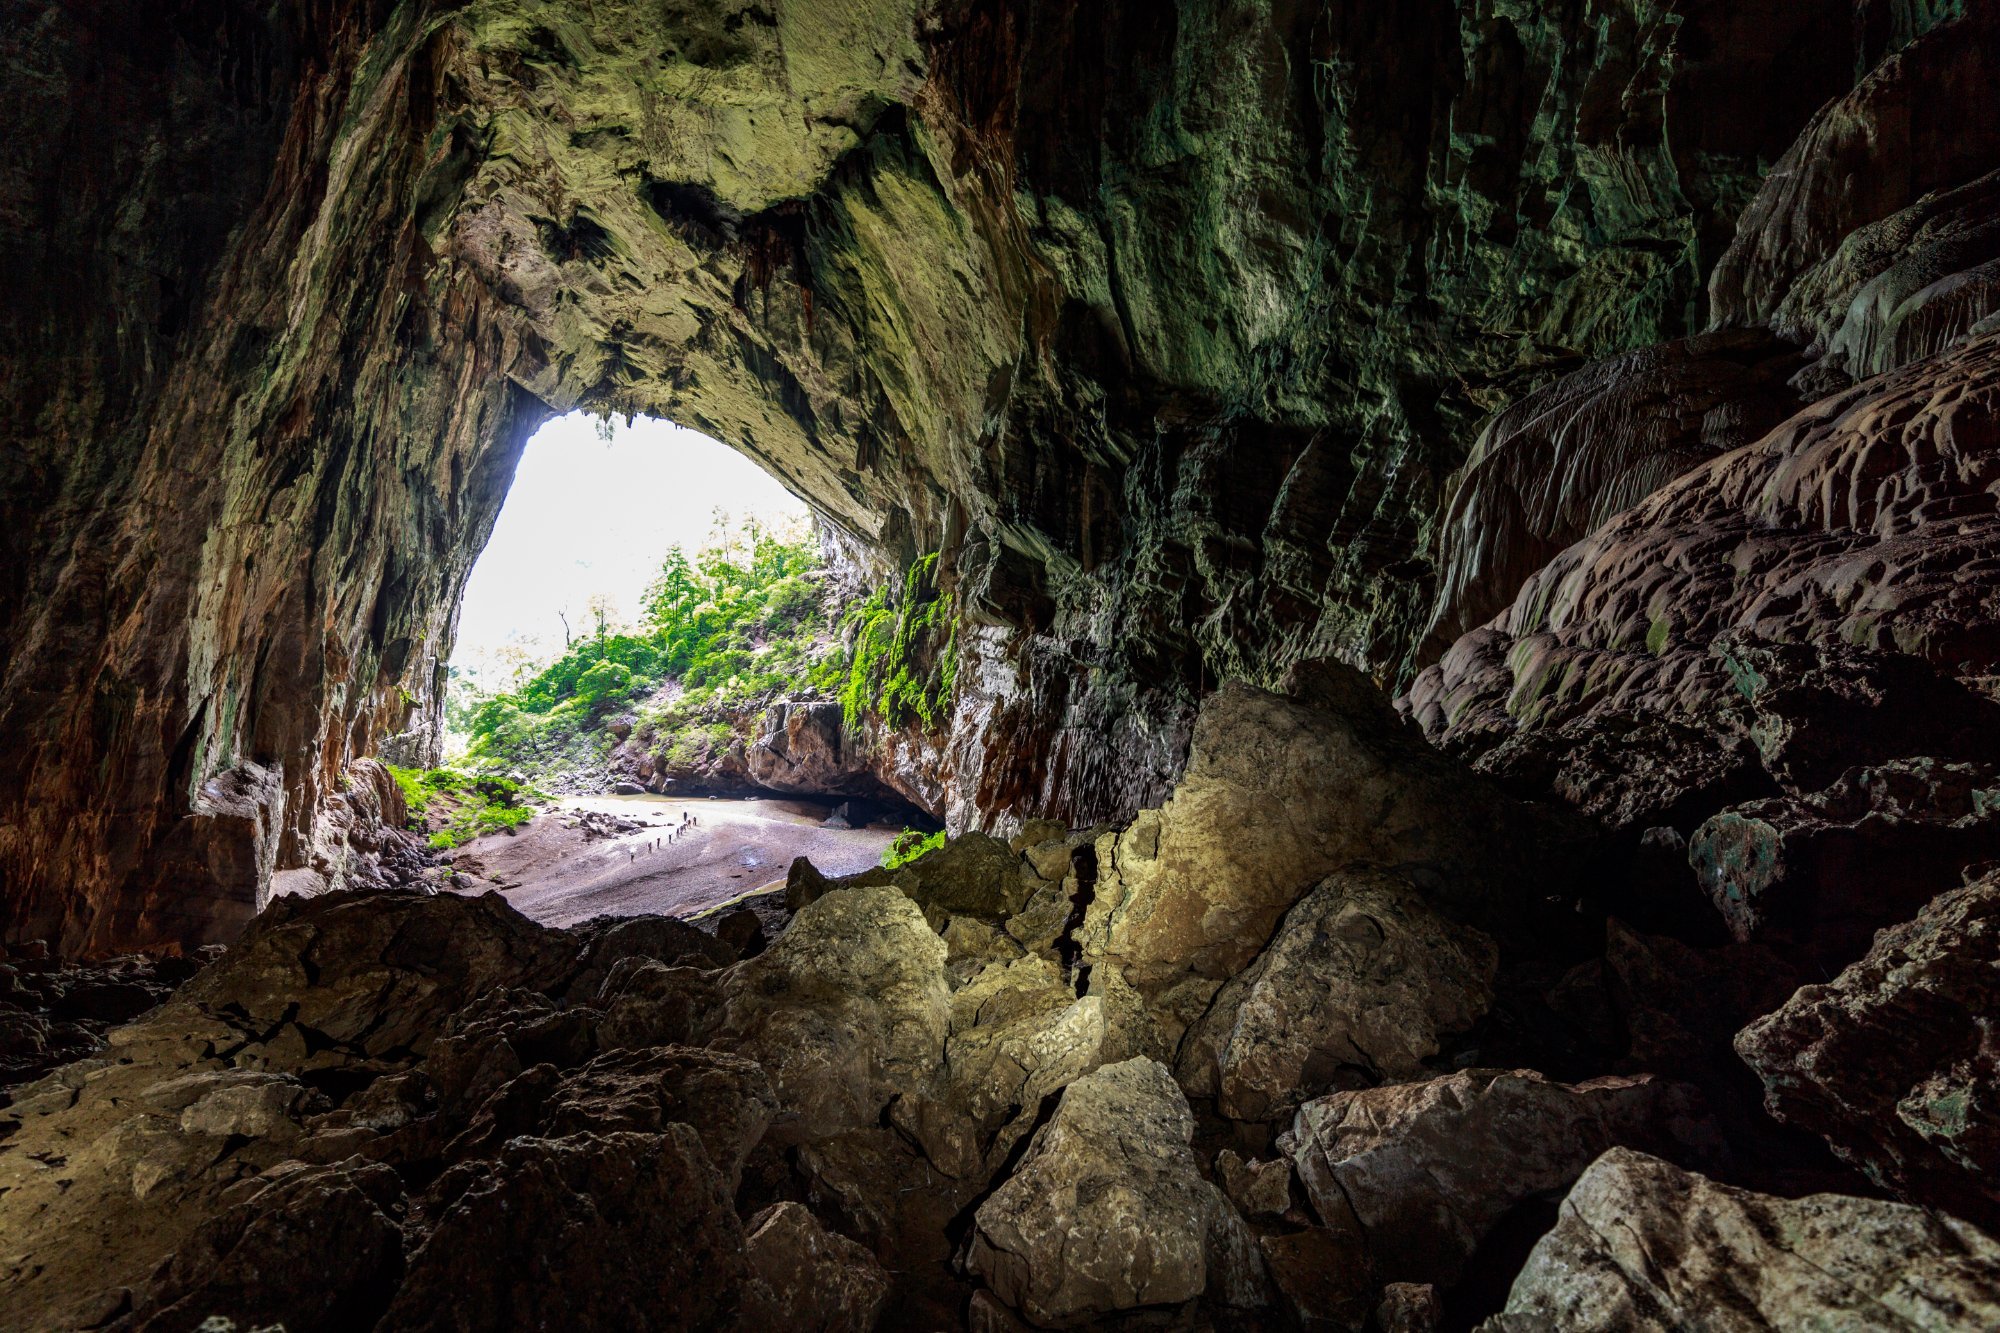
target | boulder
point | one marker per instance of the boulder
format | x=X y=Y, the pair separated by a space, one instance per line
x=847 y=1011
x=1363 y=984
x=357 y=974
x=622 y=1230
x=1894 y=1062
x=1018 y=1035
x=1108 y=1210
x=1820 y=874
x=1420 y=1173
x=1641 y=1246
x=1257 y=1188
x=315 y=1249
x=820 y=1282
x=1280 y=791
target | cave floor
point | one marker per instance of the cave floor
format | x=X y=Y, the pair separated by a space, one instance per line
x=560 y=876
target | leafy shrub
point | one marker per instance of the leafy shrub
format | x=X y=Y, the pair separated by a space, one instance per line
x=908 y=846
x=465 y=805
x=732 y=628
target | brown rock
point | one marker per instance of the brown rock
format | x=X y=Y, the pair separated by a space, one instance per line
x=820 y=1282
x=315 y=1249
x=1258 y=1189
x=1409 y=1307
x=1822 y=873
x=1423 y=1171
x=1324 y=1279
x=1552 y=468
x=1894 y=1061
x=1363 y=983
x=1644 y=1247
x=552 y=1234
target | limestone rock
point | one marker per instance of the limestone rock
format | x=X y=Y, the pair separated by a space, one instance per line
x=1642 y=1246
x=1894 y=1061
x=1821 y=873
x=1409 y=1307
x=1256 y=1188
x=549 y=1234
x=820 y=1282
x=1018 y=1036
x=367 y=973
x=1419 y=1173
x=1862 y=159
x=1280 y=791
x=1636 y=633
x=1107 y=1211
x=1552 y=468
x=316 y=1249
x=1363 y=983
x=847 y=1011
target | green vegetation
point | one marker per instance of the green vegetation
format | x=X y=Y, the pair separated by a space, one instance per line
x=457 y=807
x=908 y=846
x=904 y=659
x=723 y=633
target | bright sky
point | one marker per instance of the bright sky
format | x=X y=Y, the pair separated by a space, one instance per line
x=587 y=517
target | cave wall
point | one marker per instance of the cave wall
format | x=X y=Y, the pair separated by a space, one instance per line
x=1169 y=327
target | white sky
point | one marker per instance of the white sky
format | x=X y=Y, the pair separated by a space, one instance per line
x=588 y=517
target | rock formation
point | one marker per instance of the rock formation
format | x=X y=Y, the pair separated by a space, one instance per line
x=1620 y=383
x=1167 y=335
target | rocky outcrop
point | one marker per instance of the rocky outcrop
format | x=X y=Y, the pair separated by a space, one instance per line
x=1551 y=469
x=1164 y=332
x=1813 y=601
x=1643 y=1246
x=1821 y=873
x=1416 y=1176
x=1894 y=1063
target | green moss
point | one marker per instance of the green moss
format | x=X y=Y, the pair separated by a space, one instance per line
x=903 y=661
x=1656 y=635
x=908 y=846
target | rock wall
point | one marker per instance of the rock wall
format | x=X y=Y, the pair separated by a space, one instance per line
x=1167 y=328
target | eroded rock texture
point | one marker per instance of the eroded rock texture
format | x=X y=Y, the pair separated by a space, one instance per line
x=1642 y=1245
x=1167 y=327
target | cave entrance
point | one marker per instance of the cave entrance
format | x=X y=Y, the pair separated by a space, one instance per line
x=596 y=508
x=651 y=632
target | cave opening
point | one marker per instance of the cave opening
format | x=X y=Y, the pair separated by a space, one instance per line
x=650 y=609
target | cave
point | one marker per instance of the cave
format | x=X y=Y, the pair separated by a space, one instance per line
x=1433 y=563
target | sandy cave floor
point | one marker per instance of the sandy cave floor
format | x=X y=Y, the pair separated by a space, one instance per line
x=560 y=876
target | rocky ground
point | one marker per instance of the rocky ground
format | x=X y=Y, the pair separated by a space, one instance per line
x=1342 y=1036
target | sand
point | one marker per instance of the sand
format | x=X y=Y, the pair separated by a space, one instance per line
x=559 y=876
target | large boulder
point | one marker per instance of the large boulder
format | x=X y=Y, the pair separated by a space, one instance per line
x=1364 y=983
x=1280 y=791
x=846 y=1012
x=622 y=1230
x=1895 y=1062
x=354 y=975
x=314 y=1250
x=820 y=1281
x=1420 y=1173
x=1108 y=1210
x=1644 y=1247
